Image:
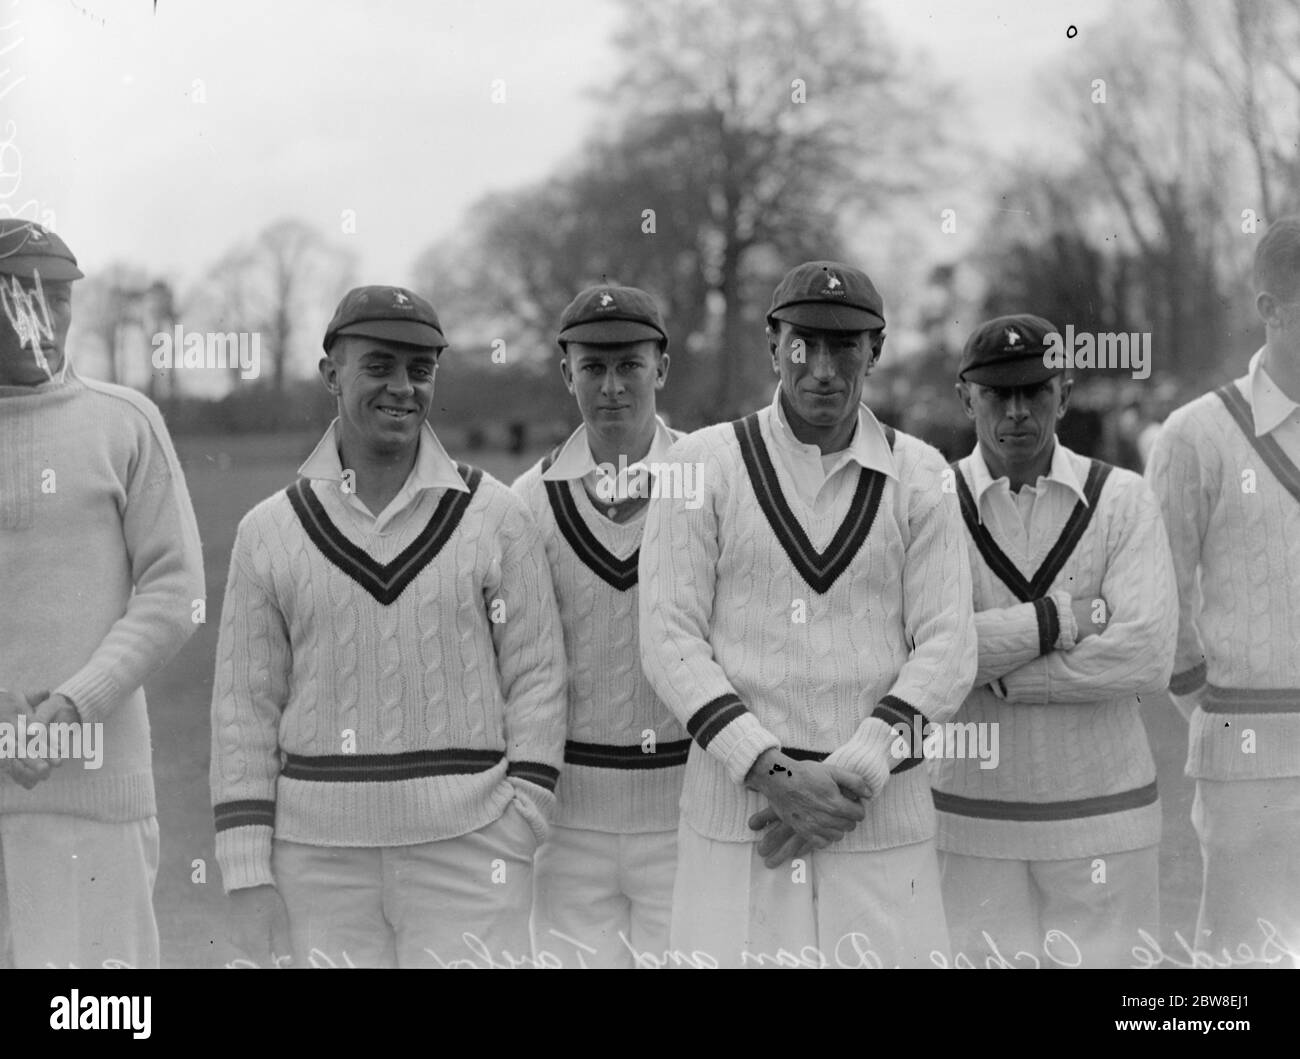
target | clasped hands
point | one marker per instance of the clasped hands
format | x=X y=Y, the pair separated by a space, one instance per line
x=810 y=805
x=40 y=707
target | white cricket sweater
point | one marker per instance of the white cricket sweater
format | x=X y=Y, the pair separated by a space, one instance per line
x=1232 y=512
x=1075 y=775
x=101 y=567
x=764 y=624
x=377 y=689
x=616 y=777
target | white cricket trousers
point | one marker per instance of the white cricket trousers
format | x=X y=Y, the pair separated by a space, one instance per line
x=77 y=892
x=599 y=896
x=460 y=901
x=874 y=909
x=1250 y=850
x=1085 y=912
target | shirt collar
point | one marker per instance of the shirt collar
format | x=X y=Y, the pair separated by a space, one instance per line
x=1268 y=404
x=433 y=469
x=1062 y=471
x=574 y=460
x=869 y=448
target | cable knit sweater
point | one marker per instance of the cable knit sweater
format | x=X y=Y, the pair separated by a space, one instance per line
x=1075 y=775
x=615 y=778
x=1233 y=516
x=765 y=623
x=101 y=569
x=378 y=689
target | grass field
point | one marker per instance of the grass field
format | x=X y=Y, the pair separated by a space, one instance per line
x=227 y=476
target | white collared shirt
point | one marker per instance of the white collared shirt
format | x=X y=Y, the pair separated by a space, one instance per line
x=1020 y=517
x=433 y=469
x=575 y=460
x=811 y=471
x=1273 y=411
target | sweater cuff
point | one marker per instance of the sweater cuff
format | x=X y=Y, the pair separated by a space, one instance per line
x=536 y=802
x=94 y=694
x=1188 y=681
x=728 y=731
x=244 y=855
x=1068 y=628
x=870 y=753
x=1187 y=689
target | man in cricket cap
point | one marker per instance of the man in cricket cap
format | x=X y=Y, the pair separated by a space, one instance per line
x=388 y=708
x=814 y=602
x=102 y=572
x=1052 y=850
x=605 y=877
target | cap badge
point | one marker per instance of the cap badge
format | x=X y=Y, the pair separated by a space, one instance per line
x=832 y=283
x=399 y=298
x=606 y=299
x=34 y=235
x=1012 y=336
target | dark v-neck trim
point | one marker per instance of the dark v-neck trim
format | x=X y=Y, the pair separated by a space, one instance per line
x=384 y=581
x=620 y=574
x=998 y=561
x=1269 y=450
x=819 y=569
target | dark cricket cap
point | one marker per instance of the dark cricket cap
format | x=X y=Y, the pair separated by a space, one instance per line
x=393 y=314
x=27 y=249
x=609 y=315
x=829 y=296
x=1008 y=351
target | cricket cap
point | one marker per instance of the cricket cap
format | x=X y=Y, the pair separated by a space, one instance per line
x=393 y=314
x=1008 y=351
x=611 y=315
x=828 y=296
x=28 y=249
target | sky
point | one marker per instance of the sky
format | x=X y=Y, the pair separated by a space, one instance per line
x=163 y=137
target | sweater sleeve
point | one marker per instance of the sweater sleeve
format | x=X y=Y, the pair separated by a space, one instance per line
x=249 y=691
x=162 y=542
x=1175 y=476
x=939 y=623
x=529 y=642
x=1011 y=636
x=677 y=576
x=1134 y=654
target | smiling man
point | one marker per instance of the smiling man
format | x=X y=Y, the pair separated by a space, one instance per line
x=388 y=709
x=605 y=876
x=101 y=569
x=817 y=597
x=1076 y=613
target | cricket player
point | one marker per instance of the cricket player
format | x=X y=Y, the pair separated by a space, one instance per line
x=603 y=881
x=388 y=709
x=1226 y=468
x=102 y=571
x=1051 y=857
x=815 y=599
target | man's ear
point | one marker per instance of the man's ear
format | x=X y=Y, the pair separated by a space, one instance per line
x=963 y=395
x=1067 y=385
x=565 y=373
x=771 y=345
x=661 y=371
x=329 y=373
x=1267 y=307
